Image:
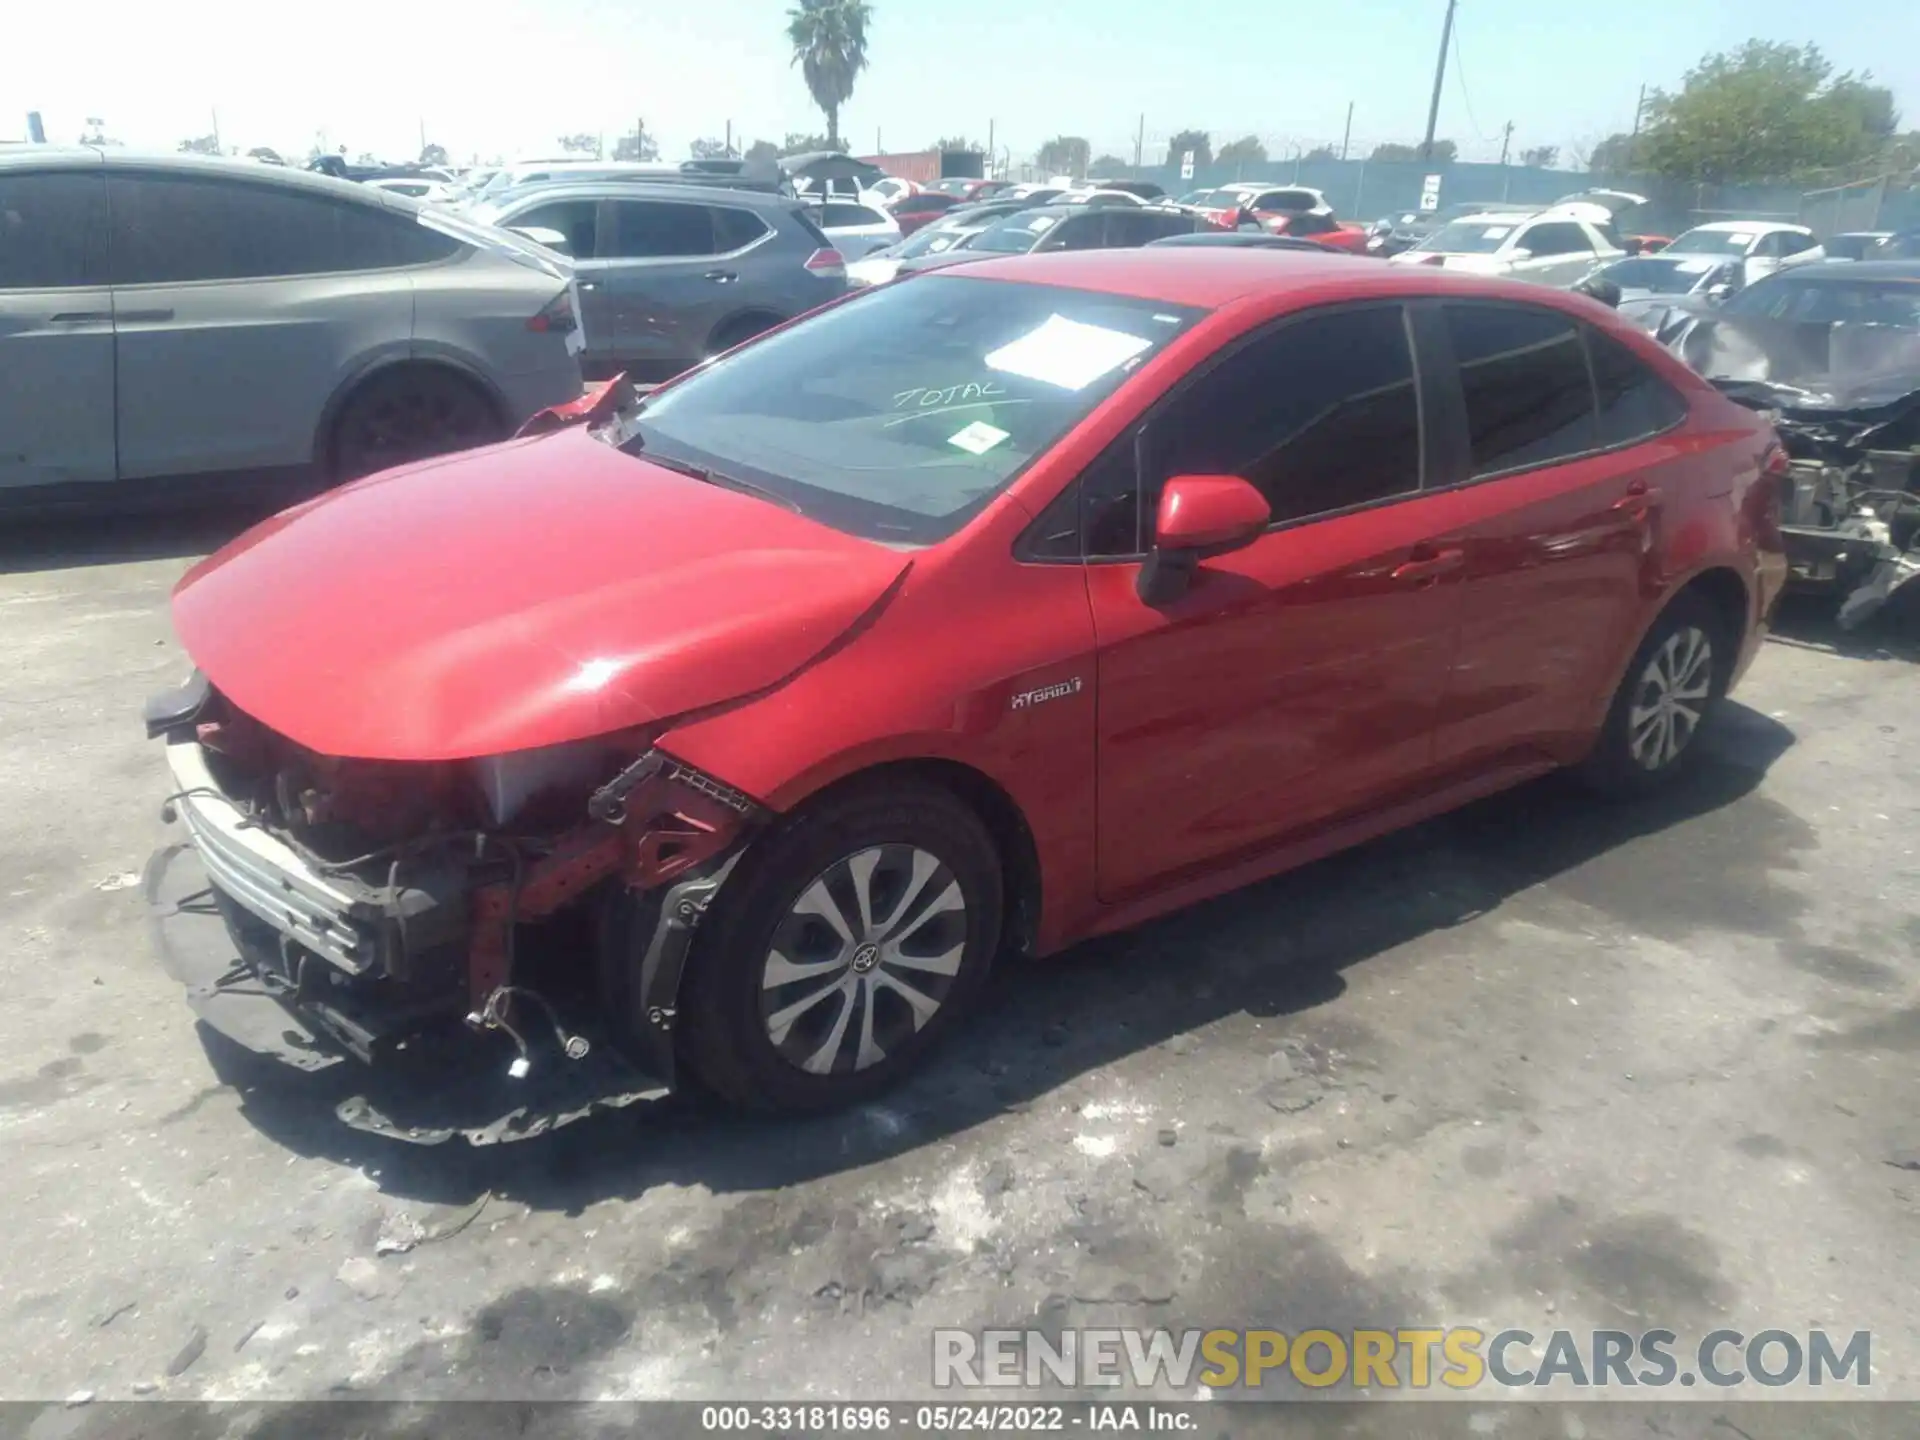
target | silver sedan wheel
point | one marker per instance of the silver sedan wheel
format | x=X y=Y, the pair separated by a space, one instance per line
x=1670 y=698
x=863 y=959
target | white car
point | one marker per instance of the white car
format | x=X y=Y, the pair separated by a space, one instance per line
x=1761 y=244
x=1264 y=196
x=855 y=229
x=885 y=191
x=1560 y=246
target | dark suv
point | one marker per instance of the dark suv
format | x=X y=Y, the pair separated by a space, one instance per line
x=671 y=274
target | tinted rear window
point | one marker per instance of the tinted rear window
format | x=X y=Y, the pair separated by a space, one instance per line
x=172 y=229
x=1523 y=376
x=1635 y=403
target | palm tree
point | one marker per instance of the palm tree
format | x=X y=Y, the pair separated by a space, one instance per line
x=830 y=47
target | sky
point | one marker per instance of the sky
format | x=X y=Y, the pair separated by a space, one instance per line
x=505 y=78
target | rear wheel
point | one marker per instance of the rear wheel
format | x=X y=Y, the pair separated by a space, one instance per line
x=1676 y=678
x=738 y=331
x=846 y=943
x=411 y=413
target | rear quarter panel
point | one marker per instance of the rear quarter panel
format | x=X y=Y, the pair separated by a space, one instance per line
x=474 y=310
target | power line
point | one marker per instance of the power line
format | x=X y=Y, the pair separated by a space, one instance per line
x=1460 y=79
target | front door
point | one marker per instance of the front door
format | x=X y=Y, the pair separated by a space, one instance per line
x=1555 y=523
x=1297 y=679
x=56 y=329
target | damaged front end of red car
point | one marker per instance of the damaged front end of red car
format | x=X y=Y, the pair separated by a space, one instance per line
x=501 y=940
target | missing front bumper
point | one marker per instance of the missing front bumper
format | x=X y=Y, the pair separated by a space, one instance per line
x=433 y=1081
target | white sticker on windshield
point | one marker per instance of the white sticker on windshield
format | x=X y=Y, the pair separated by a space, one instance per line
x=977 y=438
x=1499 y=232
x=1695 y=267
x=1040 y=224
x=1067 y=353
x=1740 y=237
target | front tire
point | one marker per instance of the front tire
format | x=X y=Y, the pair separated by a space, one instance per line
x=1676 y=679
x=848 y=941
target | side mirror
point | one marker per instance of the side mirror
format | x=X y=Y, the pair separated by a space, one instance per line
x=1199 y=516
x=1520 y=252
x=540 y=235
x=1719 y=291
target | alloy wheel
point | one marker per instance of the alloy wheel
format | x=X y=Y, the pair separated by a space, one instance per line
x=863 y=959
x=1670 y=698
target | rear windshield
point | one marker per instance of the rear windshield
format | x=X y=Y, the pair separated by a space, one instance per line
x=898 y=415
x=1470 y=237
x=1661 y=276
x=1713 y=242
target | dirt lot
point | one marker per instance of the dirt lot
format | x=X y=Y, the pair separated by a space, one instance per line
x=1538 y=1064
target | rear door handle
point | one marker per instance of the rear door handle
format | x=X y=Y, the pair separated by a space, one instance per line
x=1640 y=501
x=77 y=317
x=1426 y=564
x=134 y=317
x=723 y=276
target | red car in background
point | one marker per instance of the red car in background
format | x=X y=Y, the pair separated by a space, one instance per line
x=921 y=208
x=968 y=190
x=966 y=618
x=1321 y=230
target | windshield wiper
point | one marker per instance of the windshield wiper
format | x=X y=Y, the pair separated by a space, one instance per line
x=715 y=477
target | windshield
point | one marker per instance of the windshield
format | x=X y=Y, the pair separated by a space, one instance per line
x=939 y=236
x=1469 y=237
x=1713 y=242
x=898 y=415
x=1016 y=234
x=1660 y=276
x=1221 y=199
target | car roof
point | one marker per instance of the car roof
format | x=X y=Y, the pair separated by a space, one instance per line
x=1209 y=277
x=664 y=190
x=1751 y=227
x=66 y=157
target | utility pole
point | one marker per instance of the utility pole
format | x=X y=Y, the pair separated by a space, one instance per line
x=1506 y=141
x=1638 y=106
x=1139 y=141
x=1439 y=74
x=216 y=134
x=423 y=135
x=1347 y=138
x=729 y=149
x=990 y=152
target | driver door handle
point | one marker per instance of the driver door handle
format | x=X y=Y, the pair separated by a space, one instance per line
x=722 y=276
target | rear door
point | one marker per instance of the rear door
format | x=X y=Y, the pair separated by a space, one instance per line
x=240 y=307
x=56 y=328
x=667 y=283
x=1556 y=519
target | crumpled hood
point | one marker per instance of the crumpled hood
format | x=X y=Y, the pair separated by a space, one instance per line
x=528 y=594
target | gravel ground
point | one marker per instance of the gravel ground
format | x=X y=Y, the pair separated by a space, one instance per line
x=1539 y=1063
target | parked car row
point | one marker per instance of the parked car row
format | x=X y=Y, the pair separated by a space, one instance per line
x=173 y=323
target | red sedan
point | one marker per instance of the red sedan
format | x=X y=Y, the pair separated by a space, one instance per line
x=967 y=618
x=921 y=208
